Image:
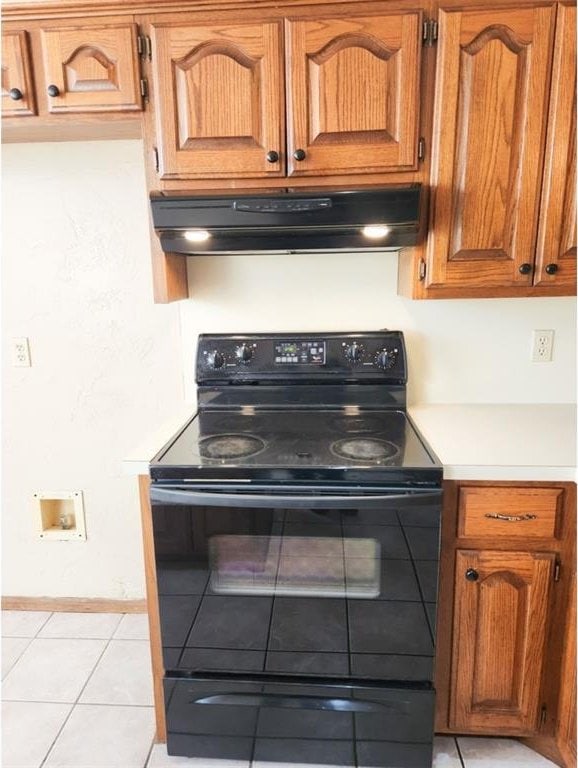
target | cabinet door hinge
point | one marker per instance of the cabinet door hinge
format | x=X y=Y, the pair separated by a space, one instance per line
x=144 y=47
x=543 y=713
x=421 y=148
x=156 y=157
x=144 y=88
x=429 y=32
x=422 y=269
x=557 y=570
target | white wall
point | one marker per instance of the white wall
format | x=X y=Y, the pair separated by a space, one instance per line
x=460 y=351
x=106 y=360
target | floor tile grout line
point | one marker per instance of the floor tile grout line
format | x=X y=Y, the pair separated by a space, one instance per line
x=462 y=761
x=77 y=703
x=149 y=754
x=50 y=615
x=67 y=718
x=30 y=639
x=84 y=613
x=116 y=639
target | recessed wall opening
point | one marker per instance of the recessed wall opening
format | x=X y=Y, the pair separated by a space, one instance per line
x=60 y=515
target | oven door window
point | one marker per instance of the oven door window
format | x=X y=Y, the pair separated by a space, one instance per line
x=337 y=592
x=315 y=566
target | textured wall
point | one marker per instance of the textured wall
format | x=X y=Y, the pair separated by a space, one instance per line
x=460 y=351
x=106 y=360
x=76 y=280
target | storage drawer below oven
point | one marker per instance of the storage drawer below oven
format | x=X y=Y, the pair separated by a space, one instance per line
x=290 y=722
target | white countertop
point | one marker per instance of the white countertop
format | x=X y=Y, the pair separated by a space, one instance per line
x=137 y=462
x=473 y=442
x=501 y=442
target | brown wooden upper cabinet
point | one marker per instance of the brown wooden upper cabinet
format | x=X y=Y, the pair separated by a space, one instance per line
x=353 y=94
x=556 y=250
x=501 y=616
x=493 y=77
x=65 y=68
x=219 y=100
x=17 y=89
x=91 y=68
x=345 y=90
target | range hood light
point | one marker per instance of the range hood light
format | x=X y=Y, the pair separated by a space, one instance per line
x=197 y=235
x=375 y=231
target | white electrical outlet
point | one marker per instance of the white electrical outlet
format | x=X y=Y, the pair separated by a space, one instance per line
x=542 y=344
x=21 y=352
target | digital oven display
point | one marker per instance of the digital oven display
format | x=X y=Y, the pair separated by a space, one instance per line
x=300 y=353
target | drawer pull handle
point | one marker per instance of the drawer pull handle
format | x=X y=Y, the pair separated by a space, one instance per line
x=511 y=518
x=299 y=702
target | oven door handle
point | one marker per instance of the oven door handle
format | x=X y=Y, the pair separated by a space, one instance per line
x=216 y=499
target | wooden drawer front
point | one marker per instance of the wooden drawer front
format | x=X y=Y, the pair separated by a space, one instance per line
x=507 y=512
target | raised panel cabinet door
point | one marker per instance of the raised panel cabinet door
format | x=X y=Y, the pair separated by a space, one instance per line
x=353 y=98
x=17 y=89
x=91 y=68
x=556 y=252
x=219 y=100
x=492 y=84
x=500 y=621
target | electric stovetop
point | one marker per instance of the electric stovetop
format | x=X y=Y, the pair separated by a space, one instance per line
x=346 y=445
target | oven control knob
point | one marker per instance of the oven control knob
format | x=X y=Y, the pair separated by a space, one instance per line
x=216 y=359
x=354 y=352
x=244 y=353
x=386 y=358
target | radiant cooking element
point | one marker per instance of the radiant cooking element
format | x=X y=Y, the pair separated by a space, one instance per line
x=230 y=446
x=296 y=526
x=365 y=449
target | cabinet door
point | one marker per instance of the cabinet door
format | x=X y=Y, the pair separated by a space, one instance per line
x=91 y=68
x=17 y=89
x=492 y=81
x=353 y=94
x=220 y=104
x=500 y=617
x=556 y=253
x=567 y=702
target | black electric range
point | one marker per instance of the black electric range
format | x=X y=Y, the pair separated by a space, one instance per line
x=296 y=526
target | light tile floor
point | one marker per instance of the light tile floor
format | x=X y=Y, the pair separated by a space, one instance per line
x=77 y=693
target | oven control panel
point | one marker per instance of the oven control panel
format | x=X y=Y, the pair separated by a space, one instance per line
x=300 y=352
x=332 y=357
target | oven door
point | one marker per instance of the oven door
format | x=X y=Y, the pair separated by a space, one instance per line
x=302 y=583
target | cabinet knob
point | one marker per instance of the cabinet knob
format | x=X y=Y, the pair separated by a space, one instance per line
x=551 y=269
x=299 y=154
x=472 y=574
x=53 y=90
x=15 y=94
x=525 y=269
x=272 y=156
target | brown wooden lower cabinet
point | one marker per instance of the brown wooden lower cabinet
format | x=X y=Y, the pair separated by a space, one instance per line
x=506 y=653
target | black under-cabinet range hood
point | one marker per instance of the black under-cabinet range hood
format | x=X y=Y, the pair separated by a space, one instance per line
x=286 y=221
